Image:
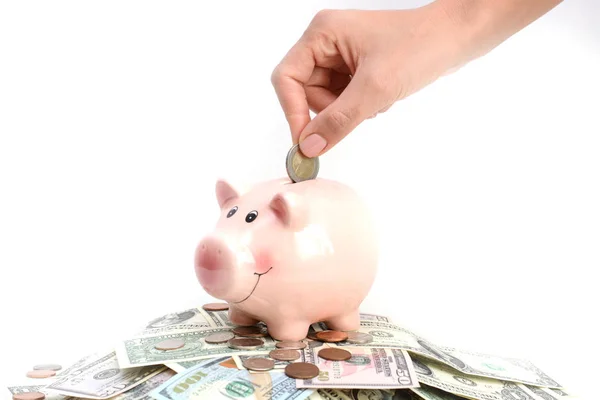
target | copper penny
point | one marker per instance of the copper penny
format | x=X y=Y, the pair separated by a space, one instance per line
x=259 y=364
x=290 y=345
x=29 y=396
x=302 y=370
x=332 y=336
x=41 y=373
x=49 y=367
x=245 y=344
x=312 y=335
x=249 y=331
x=216 y=306
x=170 y=344
x=219 y=337
x=284 y=355
x=334 y=354
x=359 y=338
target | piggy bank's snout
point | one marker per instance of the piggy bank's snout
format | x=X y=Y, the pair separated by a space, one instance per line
x=220 y=266
x=213 y=254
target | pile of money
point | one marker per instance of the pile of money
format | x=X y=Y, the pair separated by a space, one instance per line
x=199 y=354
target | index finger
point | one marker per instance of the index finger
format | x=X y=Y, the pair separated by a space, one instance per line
x=288 y=79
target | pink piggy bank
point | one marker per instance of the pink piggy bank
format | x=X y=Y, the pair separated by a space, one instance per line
x=290 y=254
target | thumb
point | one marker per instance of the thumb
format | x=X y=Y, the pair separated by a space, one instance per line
x=365 y=95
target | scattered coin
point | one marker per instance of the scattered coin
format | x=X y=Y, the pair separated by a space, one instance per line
x=245 y=344
x=170 y=344
x=216 y=306
x=219 y=337
x=299 y=167
x=312 y=335
x=250 y=331
x=49 y=367
x=334 y=354
x=41 y=374
x=284 y=355
x=29 y=396
x=301 y=370
x=290 y=345
x=359 y=338
x=332 y=336
x=259 y=364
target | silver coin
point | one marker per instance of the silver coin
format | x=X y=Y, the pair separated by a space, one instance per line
x=49 y=367
x=299 y=167
x=245 y=344
x=258 y=364
x=359 y=338
x=219 y=337
x=299 y=345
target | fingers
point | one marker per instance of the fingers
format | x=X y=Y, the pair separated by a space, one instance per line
x=288 y=79
x=318 y=98
x=366 y=94
x=323 y=87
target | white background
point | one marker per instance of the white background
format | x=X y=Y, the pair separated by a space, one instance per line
x=117 y=117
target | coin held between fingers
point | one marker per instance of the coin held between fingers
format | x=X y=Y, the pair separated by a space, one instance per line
x=299 y=167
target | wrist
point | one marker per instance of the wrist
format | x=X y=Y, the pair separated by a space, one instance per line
x=478 y=26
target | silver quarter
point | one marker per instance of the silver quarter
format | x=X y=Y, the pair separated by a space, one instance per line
x=219 y=337
x=359 y=338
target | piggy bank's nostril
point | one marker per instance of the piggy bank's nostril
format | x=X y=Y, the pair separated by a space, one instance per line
x=219 y=251
x=203 y=247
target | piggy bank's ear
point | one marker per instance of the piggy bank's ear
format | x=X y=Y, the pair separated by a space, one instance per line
x=290 y=208
x=225 y=192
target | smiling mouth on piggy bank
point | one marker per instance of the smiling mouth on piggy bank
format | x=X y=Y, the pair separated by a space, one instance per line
x=254 y=288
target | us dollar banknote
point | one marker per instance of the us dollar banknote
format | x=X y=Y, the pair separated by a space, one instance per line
x=443 y=377
x=363 y=394
x=101 y=377
x=472 y=363
x=491 y=366
x=17 y=389
x=143 y=390
x=430 y=393
x=141 y=351
x=192 y=319
x=185 y=365
x=368 y=368
x=374 y=317
x=211 y=380
x=388 y=335
x=550 y=393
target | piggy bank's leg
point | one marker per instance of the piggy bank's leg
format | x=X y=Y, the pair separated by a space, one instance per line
x=287 y=329
x=345 y=322
x=239 y=317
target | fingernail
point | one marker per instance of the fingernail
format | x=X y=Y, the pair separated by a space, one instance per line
x=312 y=145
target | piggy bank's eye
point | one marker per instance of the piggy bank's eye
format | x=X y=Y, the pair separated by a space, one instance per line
x=232 y=211
x=251 y=216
